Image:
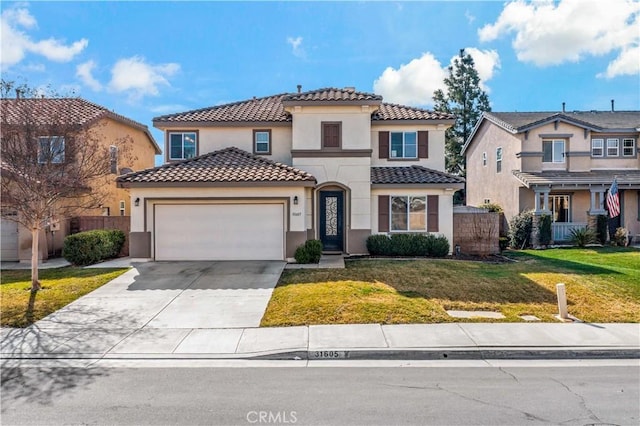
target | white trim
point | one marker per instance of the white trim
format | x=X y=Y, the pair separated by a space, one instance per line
x=404 y=146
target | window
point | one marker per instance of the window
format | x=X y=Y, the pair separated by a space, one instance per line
x=262 y=142
x=613 y=147
x=404 y=145
x=122 y=209
x=597 y=147
x=498 y=160
x=484 y=159
x=51 y=149
x=559 y=207
x=106 y=211
x=628 y=147
x=331 y=135
x=182 y=145
x=553 y=151
x=408 y=213
x=113 y=158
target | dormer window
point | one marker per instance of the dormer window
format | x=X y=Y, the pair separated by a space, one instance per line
x=51 y=149
x=182 y=145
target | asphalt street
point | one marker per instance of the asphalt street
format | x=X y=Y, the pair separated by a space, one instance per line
x=509 y=393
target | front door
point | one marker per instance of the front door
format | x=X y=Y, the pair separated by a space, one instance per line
x=332 y=220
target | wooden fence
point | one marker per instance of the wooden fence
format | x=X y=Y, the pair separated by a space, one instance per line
x=88 y=223
x=476 y=232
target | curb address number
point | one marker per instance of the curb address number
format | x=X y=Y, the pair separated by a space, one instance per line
x=327 y=354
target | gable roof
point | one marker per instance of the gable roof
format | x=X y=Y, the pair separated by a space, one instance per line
x=597 y=121
x=225 y=167
x=411 y=175
x=271 y=109
x=73 y=110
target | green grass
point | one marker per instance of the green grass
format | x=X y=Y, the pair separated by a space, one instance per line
x=60 y=287
x=603 y=285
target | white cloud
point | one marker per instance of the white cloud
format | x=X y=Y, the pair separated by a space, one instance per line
x=627 y=63
x=296 y=47
x=550 y=33
x=415 y=82
x=469 y=16
x=15 y=43
x=84 y=72
x=139 y=78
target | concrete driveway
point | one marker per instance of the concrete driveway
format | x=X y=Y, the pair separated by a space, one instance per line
x=175 y=295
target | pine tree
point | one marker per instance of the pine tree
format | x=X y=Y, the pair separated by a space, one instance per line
x=466 y=100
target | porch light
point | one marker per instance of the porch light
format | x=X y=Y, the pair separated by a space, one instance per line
x=295 y=200
x=137 y=202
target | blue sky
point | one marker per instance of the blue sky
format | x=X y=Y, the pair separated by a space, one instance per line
x=151 y=58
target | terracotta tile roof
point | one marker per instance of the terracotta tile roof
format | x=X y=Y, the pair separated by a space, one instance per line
x=333 y=94
x=411 y=175
x=271 y=109
x=268 y=109
x=224 y=166
x=64 y=111
x=401 y=112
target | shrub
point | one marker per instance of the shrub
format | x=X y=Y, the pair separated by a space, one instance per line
x=86 y=248
x=582 y=236
x=379 y=245
x=402 y=245
x=439 y=246
x=620 y=238
x=504 y=243
x=544 y=228
x=492 y=207
x=601 y=228
x=520 y=229
x=309 y=252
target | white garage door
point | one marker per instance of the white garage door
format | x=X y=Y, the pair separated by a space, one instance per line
x=219 y=232
x=8 y=240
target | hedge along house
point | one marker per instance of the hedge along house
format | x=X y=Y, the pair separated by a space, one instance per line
x=255 y=179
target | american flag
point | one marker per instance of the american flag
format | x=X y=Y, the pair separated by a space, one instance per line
x=613 y=200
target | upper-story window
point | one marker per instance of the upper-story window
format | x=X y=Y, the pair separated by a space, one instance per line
x=262 y=142
x=553 y=151
x=182 y=145
x=597 y=147
x=331 y=134
x=113 y=159
x=403 y=145
x=613 y=147
x=628 y=147
x=484 y=159
x=51 y=149
x=499 y=160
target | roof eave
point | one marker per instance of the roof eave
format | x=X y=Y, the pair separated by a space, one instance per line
x=262 y=184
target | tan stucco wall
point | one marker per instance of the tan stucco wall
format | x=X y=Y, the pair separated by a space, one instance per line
x=436 y=145
x=630 y=213
x=307 y=125
x=352 y=172
x=445 y=207
x=216 y=138
x=483 y=182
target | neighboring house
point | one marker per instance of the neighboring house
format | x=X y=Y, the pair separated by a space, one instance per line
x=257 y=178
x=557 y=163
x=109 y=127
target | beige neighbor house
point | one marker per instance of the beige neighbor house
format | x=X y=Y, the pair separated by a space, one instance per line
x=107 y=127
x=257 y=178
x=556 y=163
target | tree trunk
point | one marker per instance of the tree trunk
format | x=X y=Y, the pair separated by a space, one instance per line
x=35 y=284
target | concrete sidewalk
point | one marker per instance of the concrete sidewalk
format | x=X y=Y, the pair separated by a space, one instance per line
x=365 y=341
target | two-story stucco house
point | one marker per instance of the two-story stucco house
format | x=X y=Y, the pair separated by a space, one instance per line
x=557 y=163
x=255 y=179
x=106 y=127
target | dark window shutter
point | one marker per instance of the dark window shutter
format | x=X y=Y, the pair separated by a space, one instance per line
x=383 y=213
x=432 y=213
x=331 y=135
x=383 y=145
x=423 y=144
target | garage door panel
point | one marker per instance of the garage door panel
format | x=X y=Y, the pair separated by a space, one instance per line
x=219 y=232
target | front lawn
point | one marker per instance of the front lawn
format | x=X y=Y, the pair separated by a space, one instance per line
x=603 y=285
x=60 y=287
